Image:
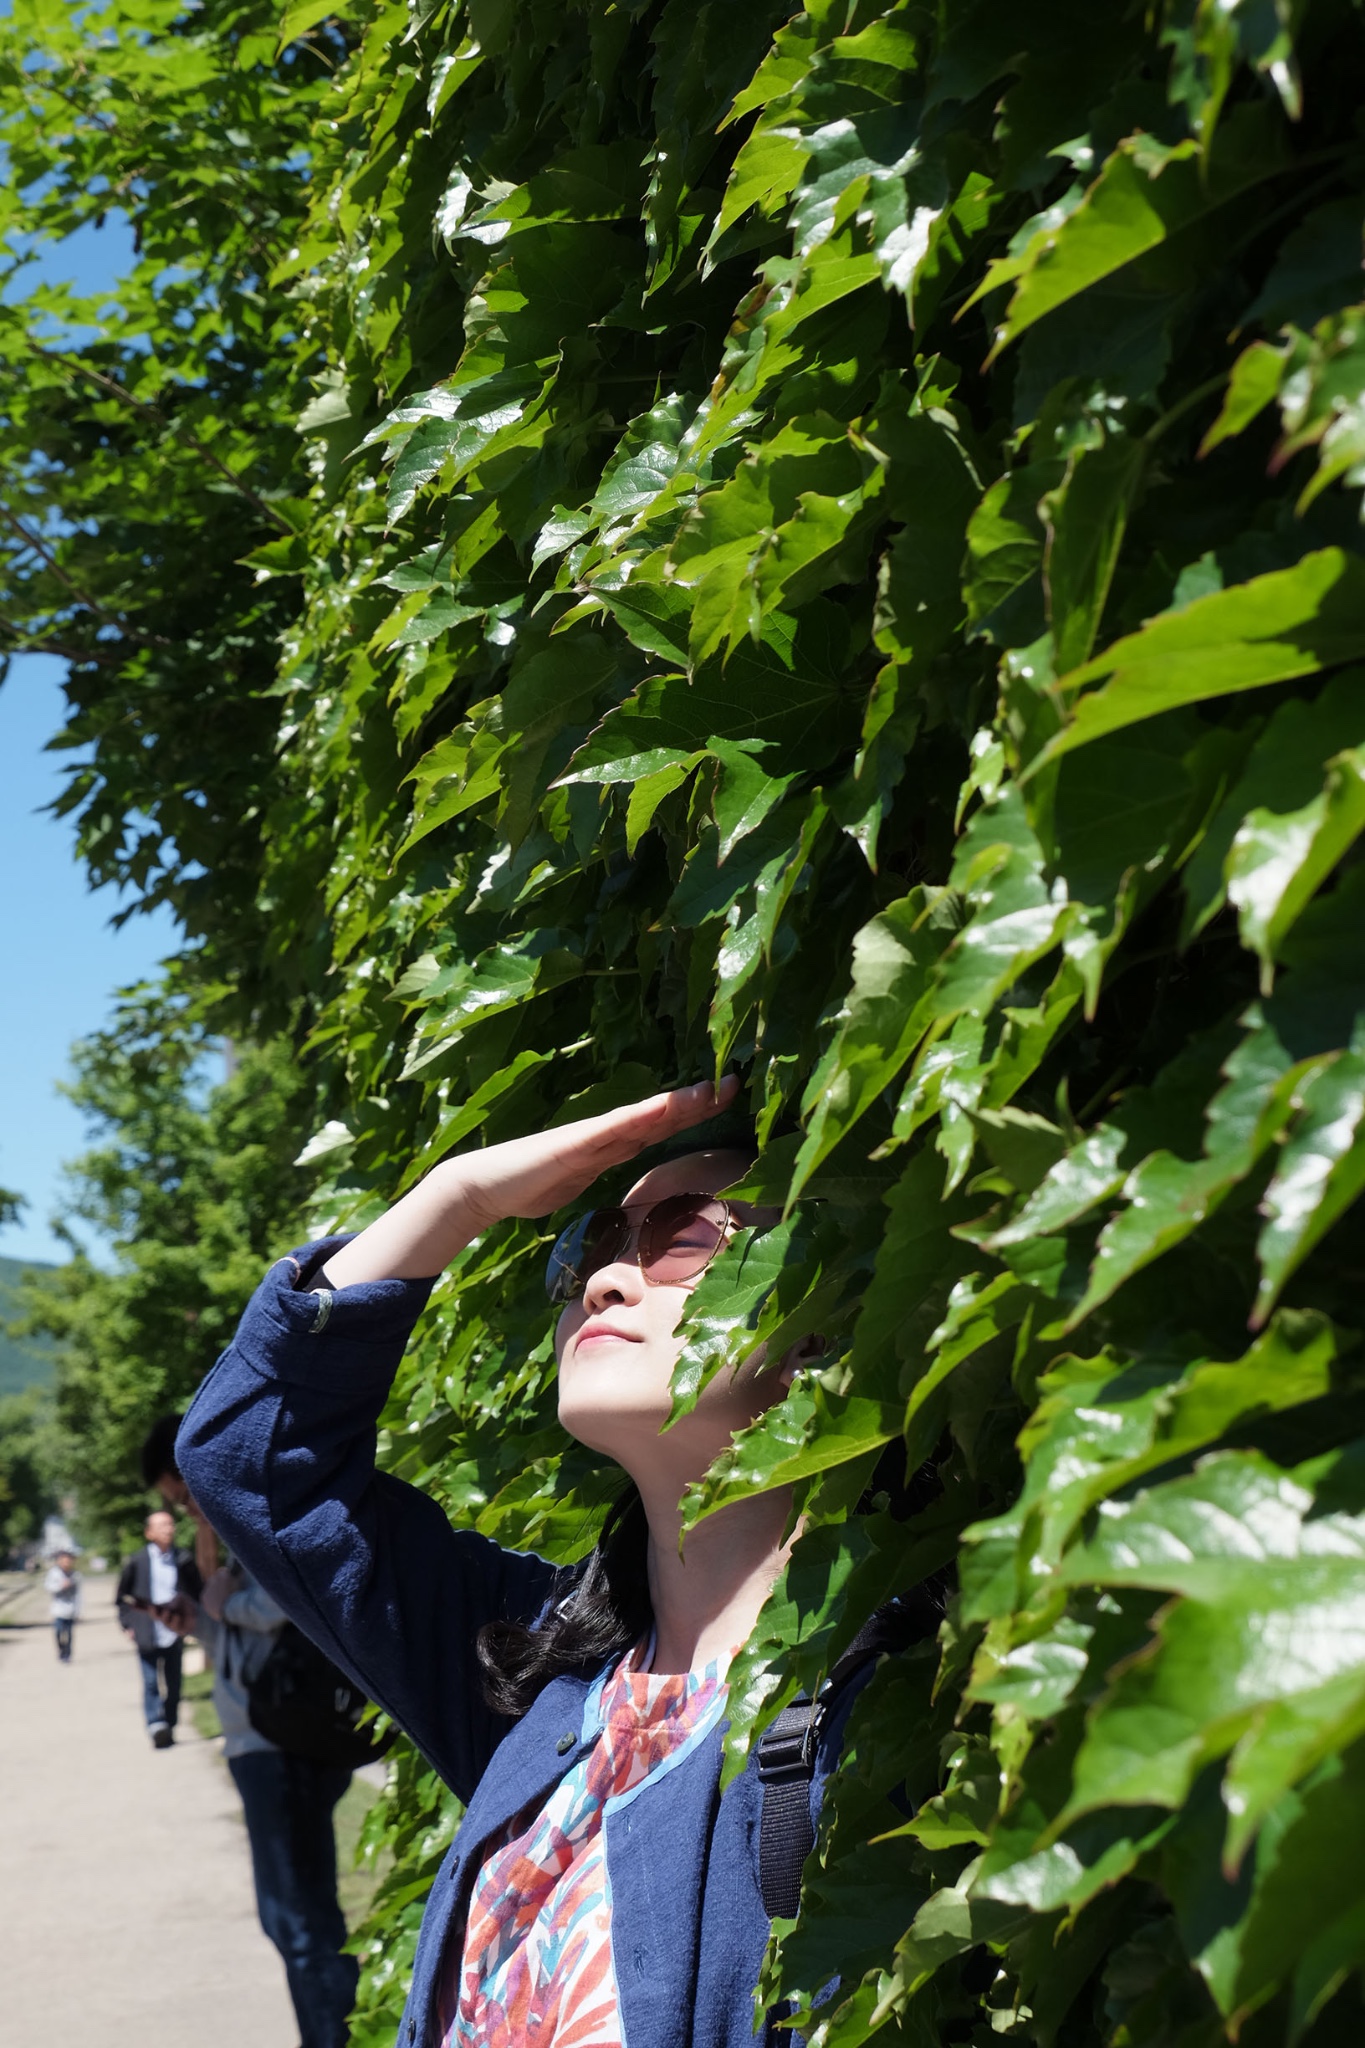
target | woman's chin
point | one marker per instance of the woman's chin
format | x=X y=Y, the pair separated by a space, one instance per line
x=607 y=1427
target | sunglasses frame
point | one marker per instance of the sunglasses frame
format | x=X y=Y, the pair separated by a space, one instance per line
x=563 y=1281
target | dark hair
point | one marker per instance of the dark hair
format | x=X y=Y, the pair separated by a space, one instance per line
x=606 y=1609
x=157 y=1456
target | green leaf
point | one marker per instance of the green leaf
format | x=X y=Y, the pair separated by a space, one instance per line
x=1014 y=916
x=1123 y=814
x=1304 y=1922
x=472 y=1114
x=893 y=959
x=1256 y=379
x=775 y=531
x=1167 y=1197
x=745 y=794
x=1087 y=515
x=1285 y=1741
x=1082 y=1178
x=1211 y=42
x=1318 y=1175
x=723 y=1311
x=1005 y=546
x=918 y=1260
x=500 y=979
x=1282 y=772
x=765 y=171
x=649 y=792
x=806 y=1433
x=1323 y=404
x=1292 y=622
x=297 y=20
x=794 y=711
x=1145 y=194
x=449 y=446
x=1279 y=859
x=1099 y=1426
x=458 y=774
x=1270 y=1608
x=597 y=181
x=932 y=487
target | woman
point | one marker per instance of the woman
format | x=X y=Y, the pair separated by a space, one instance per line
x=599 y=1892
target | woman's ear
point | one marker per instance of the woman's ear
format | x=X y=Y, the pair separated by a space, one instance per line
x=802 y=1354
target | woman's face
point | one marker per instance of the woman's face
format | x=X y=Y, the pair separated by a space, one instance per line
x=618 y=1343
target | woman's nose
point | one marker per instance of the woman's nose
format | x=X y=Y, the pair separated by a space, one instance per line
x=621 y=1280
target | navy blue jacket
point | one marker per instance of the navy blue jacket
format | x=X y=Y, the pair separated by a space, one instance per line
x=278 y=1449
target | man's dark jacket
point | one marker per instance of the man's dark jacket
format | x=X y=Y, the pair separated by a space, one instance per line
x=135 y=1583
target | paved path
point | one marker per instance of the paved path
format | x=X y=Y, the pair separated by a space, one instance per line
x=126 y=1909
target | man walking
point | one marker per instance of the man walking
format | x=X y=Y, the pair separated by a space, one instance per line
x=148 y=1585
x=64 y=1595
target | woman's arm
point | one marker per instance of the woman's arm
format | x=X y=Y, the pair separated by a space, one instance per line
x=249 y=1606
x=429 y=1227
x=278 y=1447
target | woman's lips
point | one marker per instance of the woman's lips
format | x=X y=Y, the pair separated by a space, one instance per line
x=600 y=1333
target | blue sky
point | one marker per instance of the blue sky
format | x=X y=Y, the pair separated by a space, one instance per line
x=61 y=959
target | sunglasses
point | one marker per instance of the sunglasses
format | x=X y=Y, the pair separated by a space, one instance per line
x=676 y=1239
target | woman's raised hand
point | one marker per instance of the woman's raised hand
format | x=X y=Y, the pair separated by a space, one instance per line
x=530 y=1176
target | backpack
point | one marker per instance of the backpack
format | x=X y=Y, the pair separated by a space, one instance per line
x=301 y=1702
x=786 y=1751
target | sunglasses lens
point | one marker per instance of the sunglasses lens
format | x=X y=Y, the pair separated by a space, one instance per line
x=593 y=1241
x=563 y=1272
x=681 y=1236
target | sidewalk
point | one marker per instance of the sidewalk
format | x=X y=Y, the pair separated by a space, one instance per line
x=125 y=1882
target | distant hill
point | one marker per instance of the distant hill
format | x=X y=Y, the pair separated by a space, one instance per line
x=27 y=1361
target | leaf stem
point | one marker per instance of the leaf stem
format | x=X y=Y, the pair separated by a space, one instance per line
x=1184 y=405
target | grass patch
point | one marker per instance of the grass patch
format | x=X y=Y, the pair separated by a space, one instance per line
x=196 y=1692
x=356 y=1887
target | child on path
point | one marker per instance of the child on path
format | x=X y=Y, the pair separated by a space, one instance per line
x=64 y=1594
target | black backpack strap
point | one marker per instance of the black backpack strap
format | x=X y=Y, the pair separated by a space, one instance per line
x=786 y=1752
x=786 y=1764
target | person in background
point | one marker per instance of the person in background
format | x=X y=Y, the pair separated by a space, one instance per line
x=64 y=1593
x=288 y=1801
x=152 y=1586
x=161 y=1474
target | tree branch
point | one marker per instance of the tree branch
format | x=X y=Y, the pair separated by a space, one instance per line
x=101 y=657
x=46 y=83
x=82 y=597
x=155 y=412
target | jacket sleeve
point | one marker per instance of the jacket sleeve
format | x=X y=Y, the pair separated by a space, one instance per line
x=251 y=1607
x=125 y=1590
x=278 y=1449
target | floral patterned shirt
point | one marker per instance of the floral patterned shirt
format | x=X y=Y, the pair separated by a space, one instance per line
x=537 y=1969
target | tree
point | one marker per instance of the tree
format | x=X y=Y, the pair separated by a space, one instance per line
x=27 y=1458
x=831 y=545
x=193 y=1190
x=147 y=437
